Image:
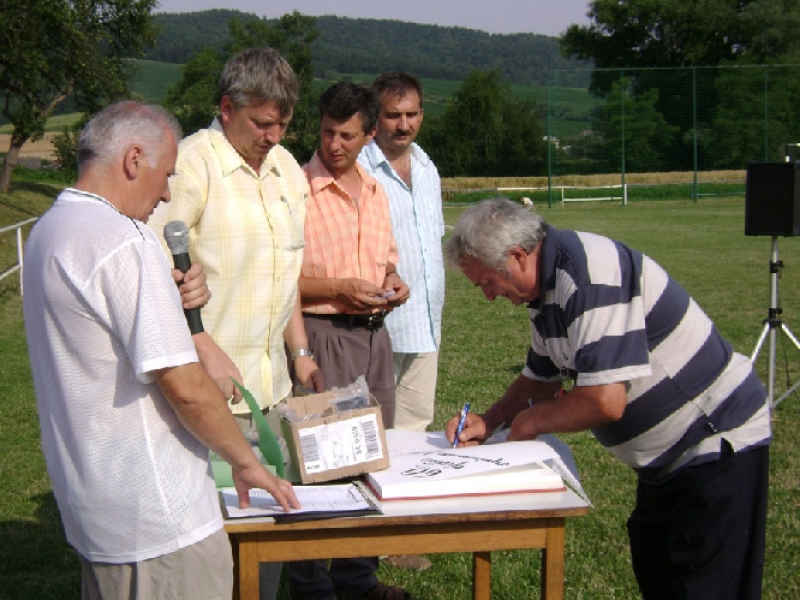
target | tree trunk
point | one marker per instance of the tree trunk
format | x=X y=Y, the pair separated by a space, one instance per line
x=12 y=158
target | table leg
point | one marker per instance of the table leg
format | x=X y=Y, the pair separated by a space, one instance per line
x=248 y=570
x=553 y=561
x=481 y=575
x=235 y=550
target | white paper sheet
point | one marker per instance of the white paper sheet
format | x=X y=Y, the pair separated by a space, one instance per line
x=313 y=498
x=546 y=448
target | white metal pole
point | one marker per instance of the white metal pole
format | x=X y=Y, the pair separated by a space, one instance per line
x=20 y=257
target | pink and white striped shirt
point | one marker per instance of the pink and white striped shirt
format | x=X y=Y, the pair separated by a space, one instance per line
x=344 y=239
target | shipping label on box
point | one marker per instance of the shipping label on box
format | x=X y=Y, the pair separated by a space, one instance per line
x=340 y=444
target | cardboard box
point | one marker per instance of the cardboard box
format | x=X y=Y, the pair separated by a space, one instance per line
x=334 y=445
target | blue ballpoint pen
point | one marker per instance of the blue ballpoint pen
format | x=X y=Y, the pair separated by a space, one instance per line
x=461 y=423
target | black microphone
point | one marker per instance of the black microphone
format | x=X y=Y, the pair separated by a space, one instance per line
x=177 y=235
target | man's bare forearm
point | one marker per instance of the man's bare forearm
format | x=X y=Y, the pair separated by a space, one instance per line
x=202 y=409
x=515 y=400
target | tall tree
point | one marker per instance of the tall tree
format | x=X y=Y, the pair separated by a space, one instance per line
x=194 y=98
x=524 y=149
x=675 y=33
x=757 y=120
x=469 y=129
x=648 y=37
x=484 y=131
x=54 y=49
x=632 y=129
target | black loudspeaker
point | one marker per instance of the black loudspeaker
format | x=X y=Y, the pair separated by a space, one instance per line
x=772 y=199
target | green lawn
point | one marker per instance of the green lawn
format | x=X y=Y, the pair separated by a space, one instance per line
x=56 y=123
x=701 y=244
x=153 y=79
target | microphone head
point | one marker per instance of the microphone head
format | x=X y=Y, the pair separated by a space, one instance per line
x=177 y=235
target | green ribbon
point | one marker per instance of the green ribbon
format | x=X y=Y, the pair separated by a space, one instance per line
x=267 y=442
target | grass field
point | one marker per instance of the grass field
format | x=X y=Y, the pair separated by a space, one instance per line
x=56 y=123
x=154 y=78
x=484 y=343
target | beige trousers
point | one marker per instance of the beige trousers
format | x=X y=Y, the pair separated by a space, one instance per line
x=415 y=389
x=202 y=571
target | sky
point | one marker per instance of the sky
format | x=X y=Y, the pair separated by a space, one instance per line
x=546 y=17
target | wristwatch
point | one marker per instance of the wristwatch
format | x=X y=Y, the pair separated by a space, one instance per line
x=302 y=352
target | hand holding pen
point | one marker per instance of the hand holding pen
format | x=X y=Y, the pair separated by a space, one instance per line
x=461 y=422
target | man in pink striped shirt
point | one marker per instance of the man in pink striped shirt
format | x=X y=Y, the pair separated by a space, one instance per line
x=348 y=283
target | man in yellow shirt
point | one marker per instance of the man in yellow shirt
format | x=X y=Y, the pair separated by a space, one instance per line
x=242 y=197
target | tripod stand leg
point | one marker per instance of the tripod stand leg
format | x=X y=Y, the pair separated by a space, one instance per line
x=786 y=394
x=771 y=325
x=790 y=335
x=760 y=342
x=773 y=346
x=791 y=390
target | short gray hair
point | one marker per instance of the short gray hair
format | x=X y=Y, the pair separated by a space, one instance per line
x=109 y=134
x=259 y=75
x=488 y=231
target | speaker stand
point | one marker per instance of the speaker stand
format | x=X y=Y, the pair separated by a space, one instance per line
x=772 y=324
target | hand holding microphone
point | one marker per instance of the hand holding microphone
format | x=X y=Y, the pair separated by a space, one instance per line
x=192 y=286
x=177 y=236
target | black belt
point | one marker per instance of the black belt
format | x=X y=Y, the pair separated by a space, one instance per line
x=372 y=322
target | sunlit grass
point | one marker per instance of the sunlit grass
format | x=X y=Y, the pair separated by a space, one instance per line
x=472 y=183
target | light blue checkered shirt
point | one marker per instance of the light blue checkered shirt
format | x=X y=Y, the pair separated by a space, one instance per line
x=418 y=226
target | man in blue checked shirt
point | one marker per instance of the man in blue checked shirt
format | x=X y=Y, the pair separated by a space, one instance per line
x=654 y=381
x=412 y=183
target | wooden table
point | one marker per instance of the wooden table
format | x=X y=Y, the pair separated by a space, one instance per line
x=465 y=524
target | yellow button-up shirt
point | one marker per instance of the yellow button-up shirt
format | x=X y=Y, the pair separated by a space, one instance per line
x=246 y=229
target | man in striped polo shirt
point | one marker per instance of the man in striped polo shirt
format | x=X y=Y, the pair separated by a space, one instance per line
x=654 y=381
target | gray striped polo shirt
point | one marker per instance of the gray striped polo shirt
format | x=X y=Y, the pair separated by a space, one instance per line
x=610 y=314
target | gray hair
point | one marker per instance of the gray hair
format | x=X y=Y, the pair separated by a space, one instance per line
x=109 y=134
x=488 y=231
x=259 y=75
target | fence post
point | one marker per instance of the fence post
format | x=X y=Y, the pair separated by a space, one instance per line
x=622 y=123
x=695 y=192
x=549 y=155
x=18 y=265
x=20 y=259
x=766 y=112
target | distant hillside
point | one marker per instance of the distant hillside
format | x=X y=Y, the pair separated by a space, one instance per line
x=371 y=46
x=181 y=35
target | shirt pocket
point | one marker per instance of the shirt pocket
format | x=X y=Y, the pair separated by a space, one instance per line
x=296 y=219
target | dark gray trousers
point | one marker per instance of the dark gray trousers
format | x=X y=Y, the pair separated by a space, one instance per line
x=344 y=352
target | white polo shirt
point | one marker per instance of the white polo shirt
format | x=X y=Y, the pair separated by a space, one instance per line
x=101 y=313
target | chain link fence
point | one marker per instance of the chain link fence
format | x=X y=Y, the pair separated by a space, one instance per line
x=695 y=127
